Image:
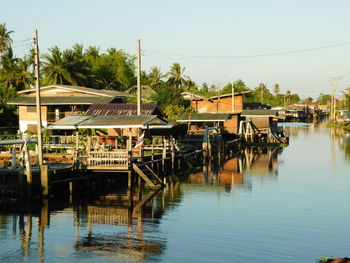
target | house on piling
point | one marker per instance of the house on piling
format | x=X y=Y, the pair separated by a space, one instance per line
x=221 y=111
x=59 y=101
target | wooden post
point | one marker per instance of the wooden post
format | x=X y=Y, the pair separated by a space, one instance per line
x=44 y=179
x=129 y=179
x=233 y=97
x=36 y=154
x=88 y=145
x=38 y=98
x=152 y=156
x=163 y=155
x=172 y=156
x=138 y=77
x=14 y=164
x=29 y=176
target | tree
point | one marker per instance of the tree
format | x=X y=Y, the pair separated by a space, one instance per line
x=262 y=89
x=190 y=86
x=276 y=89
x=5 y=39
x=176 y=76
x=154 y=76
x=56 y=68
x=287 y=97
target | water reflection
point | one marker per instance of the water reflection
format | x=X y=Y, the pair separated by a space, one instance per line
x=118 y=226
x=237 y=172
x=342 y=139
x=339 y=137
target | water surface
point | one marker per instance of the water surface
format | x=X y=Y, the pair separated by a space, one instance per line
x=289 y=205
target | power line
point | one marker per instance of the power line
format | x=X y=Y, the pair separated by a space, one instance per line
x=248 y=56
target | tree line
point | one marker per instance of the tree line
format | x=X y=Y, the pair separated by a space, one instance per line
x=114 y=69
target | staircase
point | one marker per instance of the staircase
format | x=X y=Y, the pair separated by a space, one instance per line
x=147 y=174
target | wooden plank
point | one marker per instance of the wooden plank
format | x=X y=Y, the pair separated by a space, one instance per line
x=144 y=177
x=154 y=174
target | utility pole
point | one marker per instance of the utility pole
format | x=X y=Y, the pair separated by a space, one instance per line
x=233 y=96
x=38 y=98
x=138 y=77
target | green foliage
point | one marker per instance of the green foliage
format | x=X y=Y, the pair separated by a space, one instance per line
x=92 y=132
x=173 y=112
x=113 y=70
x=167 y=94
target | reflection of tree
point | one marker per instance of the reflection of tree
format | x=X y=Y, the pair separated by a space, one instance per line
x=343 y=139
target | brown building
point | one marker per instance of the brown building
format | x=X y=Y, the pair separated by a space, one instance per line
x=216 y=111
x=216 y=104
x=59 y=101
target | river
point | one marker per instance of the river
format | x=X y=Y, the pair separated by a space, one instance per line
x=276 y=205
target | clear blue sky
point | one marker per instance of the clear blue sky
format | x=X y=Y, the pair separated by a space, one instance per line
x=220 y=28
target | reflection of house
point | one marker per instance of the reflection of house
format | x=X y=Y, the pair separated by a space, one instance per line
x=59 y=101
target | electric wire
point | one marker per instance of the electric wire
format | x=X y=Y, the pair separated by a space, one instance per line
x=248 y=56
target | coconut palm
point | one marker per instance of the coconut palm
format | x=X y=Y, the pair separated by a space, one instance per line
x=276 y=89
x=176 y=76
x=287 y=97
x=154 y=76
x=5 y=38
x=190 y=85
x=56 y=69
x=24 y=77
x=262 y=88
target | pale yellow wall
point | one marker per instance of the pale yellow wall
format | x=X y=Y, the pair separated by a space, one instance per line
x=31 y=116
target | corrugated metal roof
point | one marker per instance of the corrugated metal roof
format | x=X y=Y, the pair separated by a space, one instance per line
x=61 y=100
x=110 y=93
x=73 y=120
x=91 y=121
x=203 y=117
x=259 y=113
x=123 y=109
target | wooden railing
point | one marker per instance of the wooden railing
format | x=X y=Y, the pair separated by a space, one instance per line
x=118 y=160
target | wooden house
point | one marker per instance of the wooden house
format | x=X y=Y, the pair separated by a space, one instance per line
x=59 y=101
x=216 y=104
x=227 y=107
x=262 y=119
x=198 y=122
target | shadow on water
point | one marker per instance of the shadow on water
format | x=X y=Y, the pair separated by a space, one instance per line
x=125 y=213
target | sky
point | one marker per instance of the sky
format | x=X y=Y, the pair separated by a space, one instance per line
x=215 y=41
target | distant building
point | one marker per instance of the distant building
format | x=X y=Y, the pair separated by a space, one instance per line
x=59 y=101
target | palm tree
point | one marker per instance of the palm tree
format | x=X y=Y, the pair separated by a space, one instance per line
x=55 y=68
x=176 y=75
x=5 y=38
x=276 y=89
x=262 y=88
x=190 y=85
x=287 y=97
x=92 y=51
x=24 y=77
x=155 y=76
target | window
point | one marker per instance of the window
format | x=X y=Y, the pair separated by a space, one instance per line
x=31 y=108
